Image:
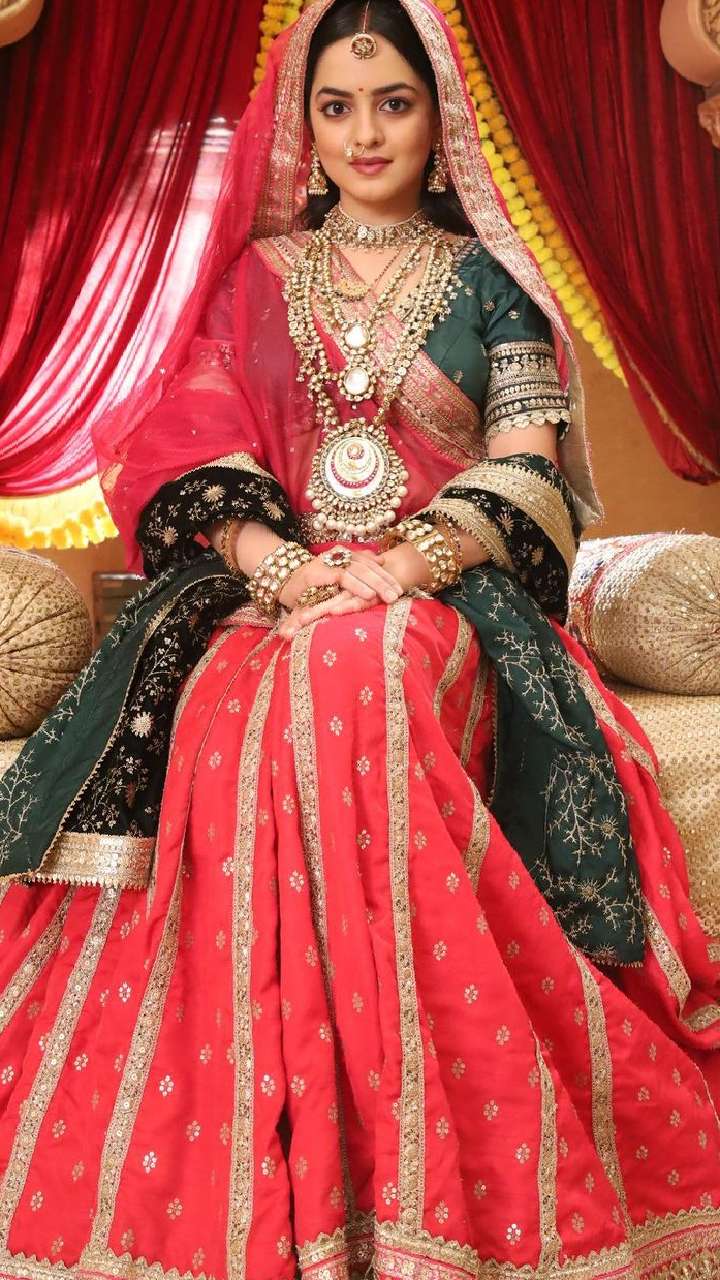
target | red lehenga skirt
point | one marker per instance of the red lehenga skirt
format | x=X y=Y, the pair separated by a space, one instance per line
x=343 y=1032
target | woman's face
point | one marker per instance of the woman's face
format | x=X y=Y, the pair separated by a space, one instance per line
x=381 y=103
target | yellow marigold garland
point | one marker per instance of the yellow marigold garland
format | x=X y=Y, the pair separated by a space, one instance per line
x=72 y=518
x=526 y=205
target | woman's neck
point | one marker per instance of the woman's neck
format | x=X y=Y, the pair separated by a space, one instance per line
x=374 y=215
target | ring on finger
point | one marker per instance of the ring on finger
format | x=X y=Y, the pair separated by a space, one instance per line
x=338 y=558
x=315 y=595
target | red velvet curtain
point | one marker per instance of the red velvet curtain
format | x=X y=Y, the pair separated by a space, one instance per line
x=114 y=121
x=611 y=133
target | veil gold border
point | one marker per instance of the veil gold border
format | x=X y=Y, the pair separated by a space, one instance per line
x=284 y=194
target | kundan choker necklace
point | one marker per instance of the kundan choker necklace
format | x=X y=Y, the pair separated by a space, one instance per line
x=342 y=228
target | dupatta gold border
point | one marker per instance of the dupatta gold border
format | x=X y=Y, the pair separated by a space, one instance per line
x=530 y=492
x=79 y=857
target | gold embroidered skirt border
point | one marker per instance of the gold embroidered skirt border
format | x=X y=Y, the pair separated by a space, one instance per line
x=78 y=857
x=683 y=1246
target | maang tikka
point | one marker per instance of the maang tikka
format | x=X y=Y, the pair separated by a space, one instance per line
x=363 y=45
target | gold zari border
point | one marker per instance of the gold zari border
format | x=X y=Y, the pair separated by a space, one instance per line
x=54 y=1060
x=78 y=857
x=523 y=388
x=454 y=664
x=676 y=975
x=411 y=1143
x=240 y=461
x=528 y=491
x=682 y=1246
x=603 y=1113
x=308 y=786
x=478 y=844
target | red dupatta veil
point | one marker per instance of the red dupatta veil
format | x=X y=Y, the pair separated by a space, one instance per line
x=191 y=409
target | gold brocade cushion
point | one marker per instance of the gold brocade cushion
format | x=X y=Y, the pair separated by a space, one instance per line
x=647 y=609
x=45 y=639
x=685 y=732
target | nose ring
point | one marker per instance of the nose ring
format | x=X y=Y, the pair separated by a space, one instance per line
x=349 y=152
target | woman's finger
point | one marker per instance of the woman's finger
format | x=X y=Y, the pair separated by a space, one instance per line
x=383 y=582
x=344 y=602
x=299 y=617
x=365 y=579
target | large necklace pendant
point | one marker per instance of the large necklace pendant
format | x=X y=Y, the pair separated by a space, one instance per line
x=357 y=482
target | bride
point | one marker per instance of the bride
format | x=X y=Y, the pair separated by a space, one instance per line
x=342 y=927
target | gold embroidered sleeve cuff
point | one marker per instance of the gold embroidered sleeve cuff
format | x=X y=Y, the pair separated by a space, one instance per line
x=523 y=388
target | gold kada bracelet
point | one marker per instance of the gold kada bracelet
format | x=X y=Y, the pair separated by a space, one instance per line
x=272 y=573
x=224 y=549
x=440 y=549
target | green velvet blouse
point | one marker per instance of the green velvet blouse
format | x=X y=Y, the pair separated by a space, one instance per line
x=497 y=345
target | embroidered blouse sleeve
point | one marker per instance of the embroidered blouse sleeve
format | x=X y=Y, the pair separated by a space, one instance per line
x=523 y=387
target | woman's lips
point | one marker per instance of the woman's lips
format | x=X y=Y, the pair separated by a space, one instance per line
x=370 y=167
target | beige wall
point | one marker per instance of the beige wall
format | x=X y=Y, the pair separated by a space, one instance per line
x=638 y=492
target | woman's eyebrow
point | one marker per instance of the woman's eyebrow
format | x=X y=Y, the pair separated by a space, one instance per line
x=386 y=88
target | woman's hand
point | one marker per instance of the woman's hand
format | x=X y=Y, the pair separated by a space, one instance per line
x=364 y=577
x=343 y=602
x=404 y=565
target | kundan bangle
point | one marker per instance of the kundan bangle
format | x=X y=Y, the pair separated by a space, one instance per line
x=272 y=573
x=442 y=554
x=452 y=536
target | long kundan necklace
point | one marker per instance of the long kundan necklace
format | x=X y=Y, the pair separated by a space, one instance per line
x=358 y=481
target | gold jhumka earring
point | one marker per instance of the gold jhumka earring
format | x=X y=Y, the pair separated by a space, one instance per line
x=317 y=181
x=438 y=175
x=363 y=45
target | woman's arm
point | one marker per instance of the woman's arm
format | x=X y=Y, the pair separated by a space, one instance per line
x=249 y=542
x=410 y=567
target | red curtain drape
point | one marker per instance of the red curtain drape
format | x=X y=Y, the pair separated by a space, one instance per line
x=114 y=120
x=611 y=134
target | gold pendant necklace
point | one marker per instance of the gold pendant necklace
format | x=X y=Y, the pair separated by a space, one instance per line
x=356 y=338
x=358 y=290
x=358 y=480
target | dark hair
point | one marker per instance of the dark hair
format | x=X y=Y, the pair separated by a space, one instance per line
x=389 y=19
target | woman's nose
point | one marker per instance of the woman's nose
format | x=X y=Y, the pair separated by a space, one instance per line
x=367 y=127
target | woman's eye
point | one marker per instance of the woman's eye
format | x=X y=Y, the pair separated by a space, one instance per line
x=396 y=104
x=328 y=108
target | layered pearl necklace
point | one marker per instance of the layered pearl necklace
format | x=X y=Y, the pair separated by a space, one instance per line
x=358 y=481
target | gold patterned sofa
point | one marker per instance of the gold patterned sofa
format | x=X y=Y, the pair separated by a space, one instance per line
x=45 y=639
x=647 y=608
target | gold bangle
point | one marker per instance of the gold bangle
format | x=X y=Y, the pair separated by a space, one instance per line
x=223 y=548
x=272 y=573
x=441 y=554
